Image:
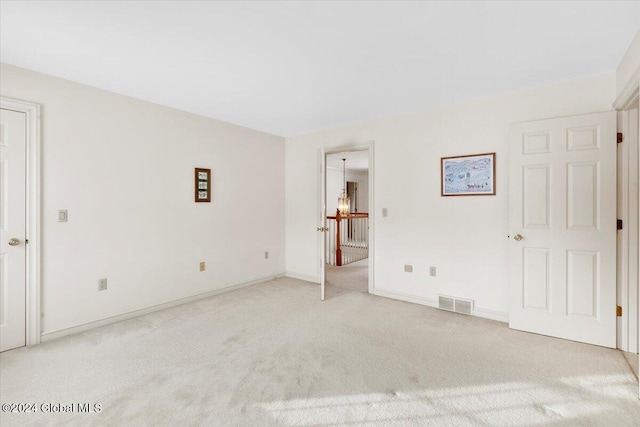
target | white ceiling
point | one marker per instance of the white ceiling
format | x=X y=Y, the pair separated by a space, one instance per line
x=354 y=160
x=294 y=67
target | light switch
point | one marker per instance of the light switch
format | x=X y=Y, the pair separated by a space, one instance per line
x=63 y=216
x=385 y=212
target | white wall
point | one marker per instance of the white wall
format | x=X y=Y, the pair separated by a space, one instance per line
x=362 y=178
x=629 y=65
x=124 y=170
x=464 y=237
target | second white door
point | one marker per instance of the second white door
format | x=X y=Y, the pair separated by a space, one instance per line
x=12 y=229
x=562 y=247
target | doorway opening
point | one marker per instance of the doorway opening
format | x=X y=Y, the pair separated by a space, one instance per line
x=347 y=239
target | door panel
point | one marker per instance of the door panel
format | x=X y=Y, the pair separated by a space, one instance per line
x=536 y=196
x=582 y=198
x=12 y=226
x=536 y=278
x=583 y=283
x=562 y=209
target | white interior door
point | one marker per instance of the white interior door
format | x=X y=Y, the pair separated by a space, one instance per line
x=12 y=229
x=322 y=217
x=562 y=203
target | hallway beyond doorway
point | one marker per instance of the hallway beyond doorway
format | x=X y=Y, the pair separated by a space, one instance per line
x=348 y=278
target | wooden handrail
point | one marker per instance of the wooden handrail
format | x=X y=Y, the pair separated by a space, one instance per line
x=350 y=238
x=351 y=216
x=338 y=219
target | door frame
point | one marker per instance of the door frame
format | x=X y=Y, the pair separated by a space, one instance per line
x=627 y=268
x=33 y=147
x=369 y=147
x=629 y=331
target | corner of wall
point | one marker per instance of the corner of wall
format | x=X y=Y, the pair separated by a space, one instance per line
x=628 y=71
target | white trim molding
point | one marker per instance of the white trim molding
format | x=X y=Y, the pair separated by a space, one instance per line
x=303 y=277
x=32 y=112
x=51 y=335
x=429 y=302
x=628 y=324
x=629 y=95
x=369 y=147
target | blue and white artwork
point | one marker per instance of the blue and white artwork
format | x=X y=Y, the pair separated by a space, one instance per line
x=468 y=175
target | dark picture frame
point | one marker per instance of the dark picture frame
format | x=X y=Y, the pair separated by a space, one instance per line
x=202 y=185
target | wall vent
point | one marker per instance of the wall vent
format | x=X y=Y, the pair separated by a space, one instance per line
x=446 y=303
x=457 y=305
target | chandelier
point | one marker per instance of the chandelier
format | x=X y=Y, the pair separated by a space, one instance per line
x=344 y=202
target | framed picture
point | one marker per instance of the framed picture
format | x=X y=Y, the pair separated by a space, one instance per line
x=472 y=175
x=203 y=185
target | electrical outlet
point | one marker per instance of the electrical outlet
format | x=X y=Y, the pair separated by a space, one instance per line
x=385 y=212
x=432 y=271
x=266 y=255
x=408 y=268
x=202 y=266
x=102 y=284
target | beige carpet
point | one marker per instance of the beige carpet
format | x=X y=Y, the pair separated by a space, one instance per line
x=273 y=354
x=632 y=360
x=352 y=277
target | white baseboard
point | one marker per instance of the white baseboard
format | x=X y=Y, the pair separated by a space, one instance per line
x=429 y=302
x=500 y=316
x=51 y=335
x=300 y=276
x=405 y=297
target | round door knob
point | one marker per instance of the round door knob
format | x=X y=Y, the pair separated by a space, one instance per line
x=518 y=237
x=14 y=242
